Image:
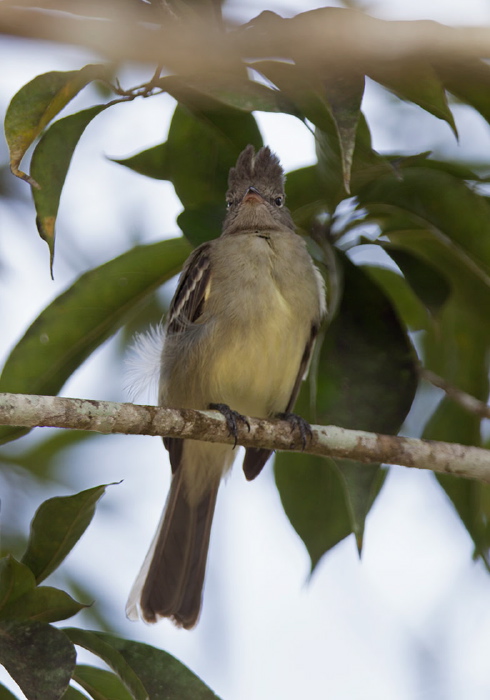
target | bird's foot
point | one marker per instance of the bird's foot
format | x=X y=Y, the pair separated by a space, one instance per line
x=298 y=423
x=232 y=419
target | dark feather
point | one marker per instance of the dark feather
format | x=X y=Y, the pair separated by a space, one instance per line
x=261 y=169
x=187 y=304
x=173 y=586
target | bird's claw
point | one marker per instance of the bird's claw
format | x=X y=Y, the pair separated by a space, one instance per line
x=298 y=423
x=232 y=419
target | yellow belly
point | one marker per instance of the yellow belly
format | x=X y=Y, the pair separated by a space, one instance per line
x=254 y=371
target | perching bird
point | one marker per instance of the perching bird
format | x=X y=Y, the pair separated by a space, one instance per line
x=239 y=334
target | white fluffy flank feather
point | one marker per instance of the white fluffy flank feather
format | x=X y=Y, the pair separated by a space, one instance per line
x=143 y=365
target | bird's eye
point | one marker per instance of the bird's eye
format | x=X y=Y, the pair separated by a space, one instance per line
x=229 y=202
x=279 y=201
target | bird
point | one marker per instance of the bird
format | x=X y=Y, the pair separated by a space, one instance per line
x=239 y=336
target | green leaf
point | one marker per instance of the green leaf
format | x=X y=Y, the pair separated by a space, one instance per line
x=6 y=694
x=366 y=380
x=415 y=81
x=408 y=306
x=469 y=81
x=230 y=90
x=344 y=94
x=308 y=94
x=83 y=317
x=44 y=604
x=218 y=135
x=362 y=484
x=104 y=649
x=471 y=499
x=15 y=581
x=146 y=671
x=42 y=458
x=438 y=201
x=39 y=657
x=367 y=377
x=56 y=527
x=101 y=684
x=427 y=282
x=456 y=348
x=37 y=103
x=469 y=282
x=314 y=500
x=72 y=693
x=305 y=195
x=367 y=370
x=49 y=166
x=152 y=162
x=201 y=223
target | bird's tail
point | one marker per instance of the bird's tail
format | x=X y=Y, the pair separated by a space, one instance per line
x=171 y=580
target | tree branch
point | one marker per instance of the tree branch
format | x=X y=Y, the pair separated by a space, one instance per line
x=327 y=441
x=345 y=39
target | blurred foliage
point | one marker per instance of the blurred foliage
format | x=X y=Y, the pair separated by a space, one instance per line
x=431 y=217
x=41 y=658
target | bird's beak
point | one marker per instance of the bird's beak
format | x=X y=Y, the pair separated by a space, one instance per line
x=252 y=196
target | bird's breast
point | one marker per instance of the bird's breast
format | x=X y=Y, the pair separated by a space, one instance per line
x=260 y=327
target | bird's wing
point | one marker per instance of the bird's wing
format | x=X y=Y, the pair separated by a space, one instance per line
x=193 y=288
x=186 y=307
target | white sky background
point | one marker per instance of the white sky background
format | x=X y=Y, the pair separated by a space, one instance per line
x=412 y=621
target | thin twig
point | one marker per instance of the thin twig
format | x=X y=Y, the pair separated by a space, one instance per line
x=466 y=401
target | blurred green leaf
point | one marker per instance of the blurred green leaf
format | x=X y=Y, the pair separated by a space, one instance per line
x=39 y=657
x=101 y=684
x=101 y=615
x=15 y=580
x=367 y=368
x=471 y=499
x=366 y=380
x=231 y=90
x=6 y=694
x=40 y=459
x=56 y=527
x=408 y=306
x=314 y=500
x=79 y=320
x=344 y=93
x=415 y=81
x=305 y=195
x=457 y=169
x=146 y=671
x=469 y=282
x=456 y=348
x=151 y=162
x=362 y=484
x=367 y=377
x=201 y=223
x=202 y=145
x=205 y=139
x=37 y=103
x=440 y=202
x=49 y=166
x=72 y=693
x=308 y=94
x=427 y=282
x=104 y=649
x=44 y=604
x=469 y=81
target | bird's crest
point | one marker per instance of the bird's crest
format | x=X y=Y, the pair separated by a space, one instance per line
x=254 y=168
